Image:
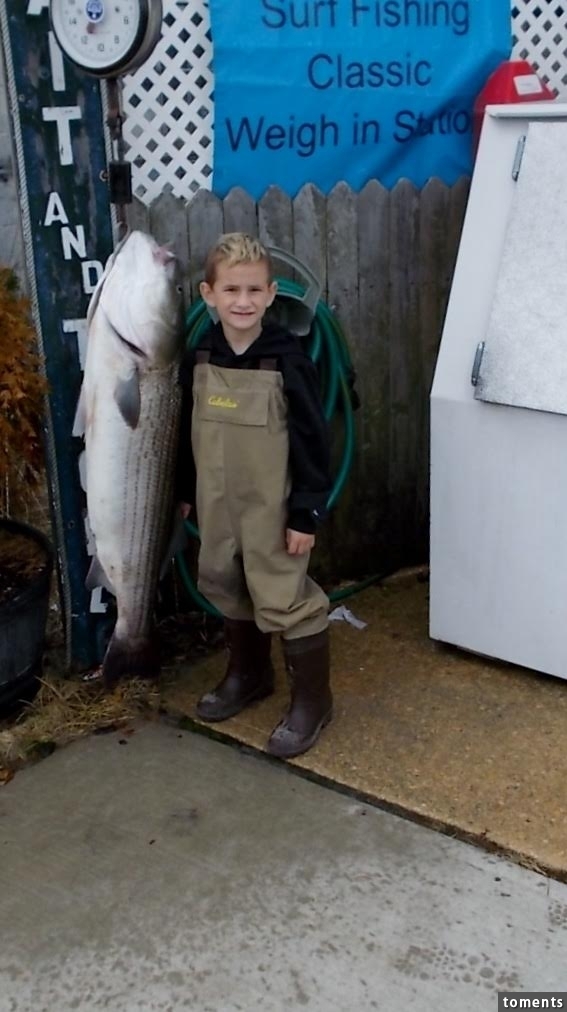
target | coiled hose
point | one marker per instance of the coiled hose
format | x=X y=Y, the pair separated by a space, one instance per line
x=327 y=347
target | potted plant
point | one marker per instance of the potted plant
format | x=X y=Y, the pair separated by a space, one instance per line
x=26 y=555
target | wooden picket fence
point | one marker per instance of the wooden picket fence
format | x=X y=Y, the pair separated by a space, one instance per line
x=385 y=259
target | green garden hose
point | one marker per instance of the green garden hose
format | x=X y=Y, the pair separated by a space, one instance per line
x=328 y=349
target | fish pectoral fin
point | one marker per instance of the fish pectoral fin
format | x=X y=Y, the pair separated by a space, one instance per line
x=128 y=400
x=177 y=542
x=80 y=422
x=96 y=577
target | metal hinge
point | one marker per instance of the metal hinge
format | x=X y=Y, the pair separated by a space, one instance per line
x=518 y=157
x=477 y=363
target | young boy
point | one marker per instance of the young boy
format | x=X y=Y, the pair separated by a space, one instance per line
x=259 y=478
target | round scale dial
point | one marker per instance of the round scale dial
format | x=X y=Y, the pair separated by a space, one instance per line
x=106 y=37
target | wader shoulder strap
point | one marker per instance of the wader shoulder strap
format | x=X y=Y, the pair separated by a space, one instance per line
x=203 y=357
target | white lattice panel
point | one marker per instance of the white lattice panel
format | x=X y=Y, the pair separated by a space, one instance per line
x=540 y=35
x=169 y=107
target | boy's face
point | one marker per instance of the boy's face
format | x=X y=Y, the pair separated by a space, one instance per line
x=241 y=295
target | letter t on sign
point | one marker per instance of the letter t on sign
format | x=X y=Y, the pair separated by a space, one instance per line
x=62 y=116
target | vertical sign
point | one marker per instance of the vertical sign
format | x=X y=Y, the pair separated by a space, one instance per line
x=58 y=130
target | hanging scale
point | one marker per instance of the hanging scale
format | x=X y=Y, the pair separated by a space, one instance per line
x=108 y=38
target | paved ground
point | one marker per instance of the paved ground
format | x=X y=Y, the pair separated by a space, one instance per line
x=160 y=870
x=447 y=737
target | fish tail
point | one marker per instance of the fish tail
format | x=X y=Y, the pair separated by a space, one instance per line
x=130 y=659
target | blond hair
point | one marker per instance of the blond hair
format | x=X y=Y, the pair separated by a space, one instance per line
x=236 y=248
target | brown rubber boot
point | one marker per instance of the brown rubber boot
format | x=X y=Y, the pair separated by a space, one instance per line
x=311 y=709
x=249 y=675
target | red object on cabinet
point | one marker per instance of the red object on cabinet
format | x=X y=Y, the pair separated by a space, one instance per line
x=513 y=81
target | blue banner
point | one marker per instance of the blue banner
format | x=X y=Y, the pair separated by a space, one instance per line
x=321 y=91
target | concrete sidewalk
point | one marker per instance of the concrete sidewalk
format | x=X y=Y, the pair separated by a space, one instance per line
x=155 y=869
x=443 y=736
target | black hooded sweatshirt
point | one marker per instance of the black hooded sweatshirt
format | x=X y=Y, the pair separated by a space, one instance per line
x=309 y=451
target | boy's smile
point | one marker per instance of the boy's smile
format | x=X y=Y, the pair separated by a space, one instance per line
x=241 y=294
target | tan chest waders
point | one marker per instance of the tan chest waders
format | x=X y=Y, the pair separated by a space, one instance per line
x=241 y=450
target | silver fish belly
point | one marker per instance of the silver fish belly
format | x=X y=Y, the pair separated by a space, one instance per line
x=130 y=403
x=129 y=495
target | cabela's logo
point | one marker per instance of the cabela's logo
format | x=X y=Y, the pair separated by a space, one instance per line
x=221 y=402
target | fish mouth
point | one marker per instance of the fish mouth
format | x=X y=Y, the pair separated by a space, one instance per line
x=131 y=347
x=124 y=341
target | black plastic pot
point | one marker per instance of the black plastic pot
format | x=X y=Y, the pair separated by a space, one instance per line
x=23 y=621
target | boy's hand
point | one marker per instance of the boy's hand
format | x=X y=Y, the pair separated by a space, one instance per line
x=184 y=509
x=298 y=543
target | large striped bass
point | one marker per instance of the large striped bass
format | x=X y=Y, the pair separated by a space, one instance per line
x=129 y=413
